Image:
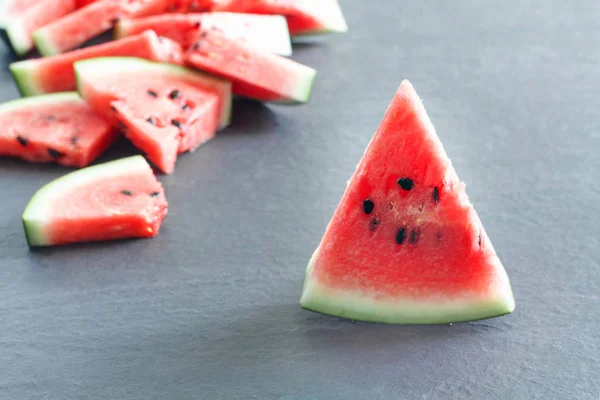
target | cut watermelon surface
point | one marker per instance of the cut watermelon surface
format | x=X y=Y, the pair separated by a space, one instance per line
x=10 y=9
x=305 y=17
x=19 y=29
x=53 y=128
x=90 y=21
x=268 y=32
x=163 y=109
x=116 y=200
x=190 y=6
x=405 y=245
x=254 y=73
x=56 y=74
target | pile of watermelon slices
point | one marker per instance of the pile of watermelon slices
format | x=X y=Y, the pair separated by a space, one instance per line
x=405 y=244
x=165 y=82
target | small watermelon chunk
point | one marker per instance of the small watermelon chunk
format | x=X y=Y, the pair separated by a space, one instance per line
x=21 y=28
x=57 y=128
x=56 y=74
x=269 y=32
x=116 y=200
x=305 y=17
x=164 y=109
x=254 y=73
x=90 y=21
x=405 y=245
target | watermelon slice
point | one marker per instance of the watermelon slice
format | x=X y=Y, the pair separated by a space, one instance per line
x=90 y=21
x=254 y=73
x=19 y=29
x=305 y=17
x=116 y=200
x=56 y=74
x=269 y=32
x=164 y=109
x=405 y=245
x=10 y=9
x=53 y=128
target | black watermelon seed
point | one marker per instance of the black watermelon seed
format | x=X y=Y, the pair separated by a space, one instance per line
x=154 y=194
x=176 y=123
x=368 y=206
x=152 y=93
x=113 y=109
x=436 y=194
x=401 y=235
x=374 y=224
x=406 y=183
x=54 y=153
x=197 y=25
x=122 y=126
x=126 y=192
x=204 y=34
x=414 y=236
x=75 y=140
x=196 y=45
x=24 y=142
x=479 y=240
x=151 y=121
x=185 y=107
x=174 y=94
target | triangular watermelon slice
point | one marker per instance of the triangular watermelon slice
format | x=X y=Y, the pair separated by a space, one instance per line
x=55 y=73
x=57 y=128
x=21 y=27
x=269 y=32
x=405 y=245
x=115 y=200
x=255 y=73
x=163 y=109
x=305 y=17
x=75 y=29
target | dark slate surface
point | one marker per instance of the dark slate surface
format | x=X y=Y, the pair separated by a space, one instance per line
x=208 y=310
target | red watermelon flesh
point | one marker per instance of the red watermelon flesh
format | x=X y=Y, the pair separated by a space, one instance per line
x=405 y=245
x=163 y=109
x=83 y=3
x=269 y=32
x=20 y=29
x=115 y=200
x=187 y=6
x=10 y=9
x=53 y=128
x=254 y=73
x=304 y=17
x=56 y=74
x=88 y=22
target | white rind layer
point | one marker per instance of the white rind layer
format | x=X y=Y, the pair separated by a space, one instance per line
x=356 y=305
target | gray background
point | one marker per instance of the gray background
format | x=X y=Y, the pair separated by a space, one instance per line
x=208 y=310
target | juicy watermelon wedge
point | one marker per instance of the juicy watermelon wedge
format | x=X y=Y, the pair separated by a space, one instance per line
x=164 y=109
x=56 y=74
x=254 y=73
x=305 y=17
x=57 y=128
x=405 y=245
x=116 y=200
x=269 y=32
x=90 y=21
x=20 y=29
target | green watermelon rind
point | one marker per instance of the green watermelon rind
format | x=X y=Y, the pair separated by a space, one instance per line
x=304 y=88
x=17 y=37
x=116 y=65
x=358 y=306
x=43 y=45
x=24 y=74
x=36 y=212
x=332 y=19
x=27 y=102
